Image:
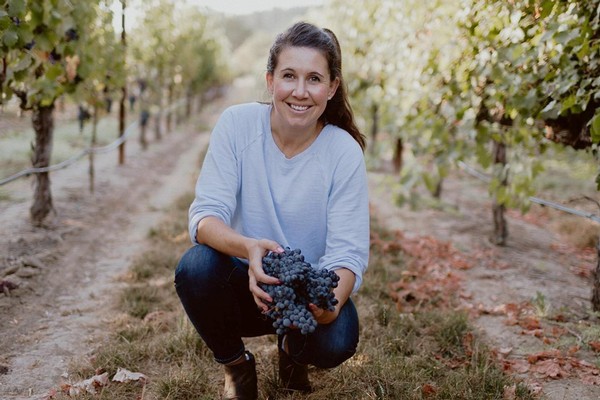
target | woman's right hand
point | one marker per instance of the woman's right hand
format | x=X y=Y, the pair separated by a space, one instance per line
x=257 y=249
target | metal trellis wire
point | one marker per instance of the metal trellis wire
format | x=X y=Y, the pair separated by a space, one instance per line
x=72 y=160
x=486 y=178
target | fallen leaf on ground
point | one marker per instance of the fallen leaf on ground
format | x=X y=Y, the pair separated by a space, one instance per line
x=595 y=345
x=518 y=366
x=591 y=379
x=530 y=323
x=124 y=375
x=428 y=389
x=509 y=392
x=542 y=355
x=90 y=385
x=505 y=350
x=549 y=368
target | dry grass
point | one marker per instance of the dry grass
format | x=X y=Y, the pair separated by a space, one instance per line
x=401 y=356
x=577 y=231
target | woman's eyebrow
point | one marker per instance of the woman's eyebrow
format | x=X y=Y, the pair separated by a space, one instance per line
x=289 y=69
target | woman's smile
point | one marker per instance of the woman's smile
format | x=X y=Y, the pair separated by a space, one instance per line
x=298 y=107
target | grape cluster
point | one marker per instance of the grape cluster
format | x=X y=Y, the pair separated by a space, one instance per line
x=300 y=285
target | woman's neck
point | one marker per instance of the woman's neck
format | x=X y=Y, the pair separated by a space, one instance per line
x=293 y=142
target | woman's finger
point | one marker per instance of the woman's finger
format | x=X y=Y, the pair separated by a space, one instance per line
x=261 y=298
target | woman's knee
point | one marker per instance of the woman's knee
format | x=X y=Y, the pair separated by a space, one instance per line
x=336 y=352
x=331 y=344
x=333 y=359
x=196 y=264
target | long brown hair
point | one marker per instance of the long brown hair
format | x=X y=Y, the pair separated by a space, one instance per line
x=302 y=34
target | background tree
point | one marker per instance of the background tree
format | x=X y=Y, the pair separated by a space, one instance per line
x=490 y=83
x=46 y=51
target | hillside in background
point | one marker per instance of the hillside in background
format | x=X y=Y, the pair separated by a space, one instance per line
x=251 y=36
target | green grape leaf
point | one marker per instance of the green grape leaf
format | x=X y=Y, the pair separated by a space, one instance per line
x=16 y=7
x=4 y=23
x=10 y=38
x=54 y=72
x=23 y=64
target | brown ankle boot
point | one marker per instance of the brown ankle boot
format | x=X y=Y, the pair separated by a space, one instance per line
x=293 y=376
x=240 y=380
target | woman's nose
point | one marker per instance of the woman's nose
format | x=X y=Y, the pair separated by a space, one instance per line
x=300 y=89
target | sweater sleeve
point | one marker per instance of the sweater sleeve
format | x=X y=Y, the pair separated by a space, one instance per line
x=348 y=218
x=217 y=184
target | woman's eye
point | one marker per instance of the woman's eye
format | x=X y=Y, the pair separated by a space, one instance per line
x=315 y=79
x=288 y=76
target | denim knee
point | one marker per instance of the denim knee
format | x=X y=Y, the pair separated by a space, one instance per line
x=330 y=345
x=200 y=263
x=336 y=353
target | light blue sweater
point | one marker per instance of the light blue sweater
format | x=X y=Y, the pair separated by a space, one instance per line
x=316 y=201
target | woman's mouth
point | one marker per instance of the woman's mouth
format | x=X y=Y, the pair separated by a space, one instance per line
x=298 y=108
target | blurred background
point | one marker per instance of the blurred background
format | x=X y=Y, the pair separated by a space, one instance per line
x=508 y=90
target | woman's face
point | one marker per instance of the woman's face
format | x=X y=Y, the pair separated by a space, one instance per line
x=300 y=87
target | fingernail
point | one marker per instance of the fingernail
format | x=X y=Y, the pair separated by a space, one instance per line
x=280 y=250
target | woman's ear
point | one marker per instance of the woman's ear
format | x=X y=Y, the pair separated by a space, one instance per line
x=333 y=88
x=269 y=79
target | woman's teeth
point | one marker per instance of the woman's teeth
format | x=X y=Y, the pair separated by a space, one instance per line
x=299 y=108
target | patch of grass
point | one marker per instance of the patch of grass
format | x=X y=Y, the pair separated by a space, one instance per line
x=578 y=231
x=567 y=172
x=5 y=194
x=152 y=264
x=430 y=354
x=183 y=383
x=139 y=301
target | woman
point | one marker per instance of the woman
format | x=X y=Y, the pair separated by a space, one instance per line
x=286 y=174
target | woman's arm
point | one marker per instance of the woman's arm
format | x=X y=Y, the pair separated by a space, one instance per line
x=215 y=233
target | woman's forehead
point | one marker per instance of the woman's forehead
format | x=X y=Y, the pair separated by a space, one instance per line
x=293 y=57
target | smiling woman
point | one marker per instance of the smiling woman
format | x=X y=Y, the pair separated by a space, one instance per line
x=290 y=173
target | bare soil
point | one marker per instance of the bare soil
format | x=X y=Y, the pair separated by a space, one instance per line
x=535 y=263
x=68 y=273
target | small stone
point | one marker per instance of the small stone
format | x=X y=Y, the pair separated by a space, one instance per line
x=33 y=261
x=6 y=286
x=9 y=270
x=26 y=272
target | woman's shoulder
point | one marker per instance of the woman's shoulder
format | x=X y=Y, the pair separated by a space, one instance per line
x=339 y=141
x=244 y=111
x=243 y=124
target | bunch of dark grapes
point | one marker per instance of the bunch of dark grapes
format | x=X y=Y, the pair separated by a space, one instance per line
x=71 y=34
x=300 y=285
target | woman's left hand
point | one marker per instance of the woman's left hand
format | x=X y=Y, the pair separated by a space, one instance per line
x=342 y=292
x=323 y=317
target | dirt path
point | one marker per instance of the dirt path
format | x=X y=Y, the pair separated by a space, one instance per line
x=530 y=265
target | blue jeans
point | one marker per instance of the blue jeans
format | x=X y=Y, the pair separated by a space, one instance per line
x=213 y=289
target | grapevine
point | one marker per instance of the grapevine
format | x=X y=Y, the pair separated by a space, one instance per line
x=301 y=285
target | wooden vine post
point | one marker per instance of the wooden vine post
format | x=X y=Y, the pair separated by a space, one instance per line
x=123 y=88
x=498 y=208
x=43 y=126
x=596 y=289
